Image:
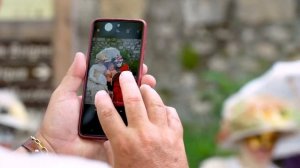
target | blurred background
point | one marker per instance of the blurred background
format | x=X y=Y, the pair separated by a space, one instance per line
x=200 y=51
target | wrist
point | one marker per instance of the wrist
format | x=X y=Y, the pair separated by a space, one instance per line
x=34 y=145
x=45 y=142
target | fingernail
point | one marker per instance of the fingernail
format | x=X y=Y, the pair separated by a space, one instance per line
x=77 y=54
x=100 y=94
x=126 y=74
x=146 y=86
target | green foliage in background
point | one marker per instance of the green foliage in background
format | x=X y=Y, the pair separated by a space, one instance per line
x=220 y=86
x=200 y=138
x=199 y=143
x=189 y=58
x=215 y=87
x=126 y=55
x=132 y=62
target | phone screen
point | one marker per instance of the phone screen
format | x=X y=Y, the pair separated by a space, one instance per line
x=116 y=46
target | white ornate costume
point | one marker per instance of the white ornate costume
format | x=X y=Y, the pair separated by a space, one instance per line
x=96 y=78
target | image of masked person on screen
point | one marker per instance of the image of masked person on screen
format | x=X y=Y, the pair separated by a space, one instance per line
x=117 y=93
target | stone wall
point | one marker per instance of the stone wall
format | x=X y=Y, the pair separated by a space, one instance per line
x=122 y=9
x=236 y=38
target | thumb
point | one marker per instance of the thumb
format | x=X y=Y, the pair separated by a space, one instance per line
x=74 y=77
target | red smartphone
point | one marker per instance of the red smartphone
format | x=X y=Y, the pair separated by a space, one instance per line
x=116 y=45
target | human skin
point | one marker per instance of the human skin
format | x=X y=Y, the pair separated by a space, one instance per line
x=59 y=128
x=156 y=143
x=154 y=135
x=260 y=157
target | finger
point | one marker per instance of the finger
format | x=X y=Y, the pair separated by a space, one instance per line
x=133 y=101
x=174 y=120
x=109 y=153
x=155 y=107
x=109 y=118
x=74 y=77
x=145 y=69
x=149 y=80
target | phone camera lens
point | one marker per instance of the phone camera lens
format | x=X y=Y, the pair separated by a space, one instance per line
x=108 y=27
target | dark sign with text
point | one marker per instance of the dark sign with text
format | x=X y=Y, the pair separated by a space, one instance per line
x=25 y=67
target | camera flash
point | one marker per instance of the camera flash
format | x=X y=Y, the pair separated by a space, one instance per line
x=108 y=26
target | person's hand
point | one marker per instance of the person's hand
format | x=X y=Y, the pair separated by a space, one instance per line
x=154 y=135
x=59 y=128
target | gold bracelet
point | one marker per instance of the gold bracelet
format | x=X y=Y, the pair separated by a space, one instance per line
x=34 y=145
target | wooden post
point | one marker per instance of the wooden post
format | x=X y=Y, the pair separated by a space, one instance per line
x=62 y=39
